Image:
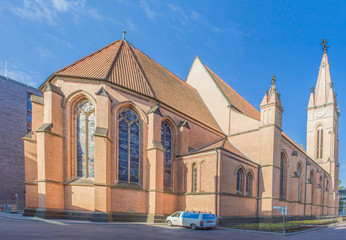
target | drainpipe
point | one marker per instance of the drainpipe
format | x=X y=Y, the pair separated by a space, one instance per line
x=217 y=184
x=258 y=187
x=306 y=177
x=324 y=179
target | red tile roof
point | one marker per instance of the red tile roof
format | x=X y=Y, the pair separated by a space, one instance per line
x=126 y=66
x=221 y=144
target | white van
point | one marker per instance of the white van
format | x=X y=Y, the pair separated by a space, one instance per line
x=192 y=219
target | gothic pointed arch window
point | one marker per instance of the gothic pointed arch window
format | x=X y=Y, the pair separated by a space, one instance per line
x=85 y=127
x=240 y=181
x=283 y=176
x=128 y=145
x=166 y=141
x=194 y=177
x=248 y=186
x=300 y=181
x=312 y=181
x=319 y=142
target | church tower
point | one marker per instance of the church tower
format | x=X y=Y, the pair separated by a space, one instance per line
x=322 y=125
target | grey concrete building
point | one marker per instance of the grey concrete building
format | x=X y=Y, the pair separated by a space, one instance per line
x=15 y=123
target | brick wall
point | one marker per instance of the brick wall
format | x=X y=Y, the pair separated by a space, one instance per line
x=13 y=126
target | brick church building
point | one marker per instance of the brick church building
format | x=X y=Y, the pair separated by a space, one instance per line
x=118 y=137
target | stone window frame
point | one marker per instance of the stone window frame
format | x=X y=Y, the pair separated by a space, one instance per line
x=140 y=158
x=173 y=129
x=75 y=114
x=240 y=173
x=283 y=175
x=249 y=182
x=319 y=141
x=194 y=182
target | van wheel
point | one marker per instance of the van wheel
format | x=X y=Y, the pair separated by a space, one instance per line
x=169 y=223
x=193 y=226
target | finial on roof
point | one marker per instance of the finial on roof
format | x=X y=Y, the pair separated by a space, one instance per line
x=324 y=45
x=273 y=79
x=312 y=89
x=331 y=84
x=124 y=33
x=266 y=92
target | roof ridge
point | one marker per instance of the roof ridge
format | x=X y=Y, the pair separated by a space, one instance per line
x=231 y=88
x=242 y=152
x=141 y=68
x=115 y=58
x=168 y=70
x=209 y=144
x=211 y=73
x=83 y=58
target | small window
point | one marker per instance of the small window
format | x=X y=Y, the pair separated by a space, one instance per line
x=194 y=178
x=249 y=183
x=240 y=181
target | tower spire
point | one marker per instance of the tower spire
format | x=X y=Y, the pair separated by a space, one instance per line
x=324 y=82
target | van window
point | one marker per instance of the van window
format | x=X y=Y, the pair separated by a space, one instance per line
x=191 y=215
x=208 y=216
x=177 y=214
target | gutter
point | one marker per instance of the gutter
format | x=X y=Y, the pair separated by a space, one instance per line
x=217 y=184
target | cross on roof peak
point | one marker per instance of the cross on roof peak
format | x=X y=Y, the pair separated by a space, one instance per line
x=324 y=45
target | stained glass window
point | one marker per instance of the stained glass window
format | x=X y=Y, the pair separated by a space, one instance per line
x=166 y=140
x=85 y=128
x=128 y=146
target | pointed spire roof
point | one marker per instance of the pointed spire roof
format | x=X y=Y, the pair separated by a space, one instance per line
x=127 y=67
x=272 y=96
x=312 y=98
x=324 y=81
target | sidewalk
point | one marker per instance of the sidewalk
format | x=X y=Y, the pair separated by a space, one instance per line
x=20 y=217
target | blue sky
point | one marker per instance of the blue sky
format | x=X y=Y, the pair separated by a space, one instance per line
x=244 y=42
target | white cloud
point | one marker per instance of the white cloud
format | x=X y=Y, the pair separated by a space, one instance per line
x=49 y=10
x=147 y=9
x=131 y=25
x=178 y=13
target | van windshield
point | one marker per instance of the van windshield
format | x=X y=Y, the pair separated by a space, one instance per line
x=208 y=216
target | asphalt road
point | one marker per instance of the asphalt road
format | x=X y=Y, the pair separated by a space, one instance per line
x=21 y=229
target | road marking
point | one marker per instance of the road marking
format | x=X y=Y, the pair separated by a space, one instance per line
x=50 y=221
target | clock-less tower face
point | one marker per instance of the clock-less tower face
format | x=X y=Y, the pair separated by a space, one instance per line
x=320 y=113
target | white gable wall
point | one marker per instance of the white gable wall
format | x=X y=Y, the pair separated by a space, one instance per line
x=212 y=96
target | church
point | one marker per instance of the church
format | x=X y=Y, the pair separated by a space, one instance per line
x=118 y=137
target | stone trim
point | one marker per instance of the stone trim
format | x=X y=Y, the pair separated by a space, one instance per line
x=48 y=181
x=156 y=145
x=30 y=183
x=270 y=165
x=101 y=132
x=240 y=133
x=52 y=88
x=37 y=99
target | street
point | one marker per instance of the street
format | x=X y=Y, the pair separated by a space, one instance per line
x=11 y=228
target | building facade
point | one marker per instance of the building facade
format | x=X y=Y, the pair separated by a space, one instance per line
x=118 y=137
x=15 y=122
